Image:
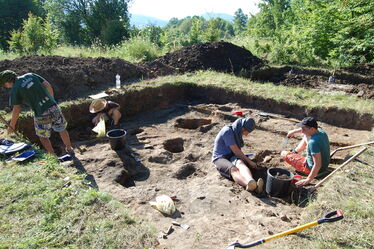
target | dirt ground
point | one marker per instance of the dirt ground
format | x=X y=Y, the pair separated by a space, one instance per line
x=74 y=78
x=174 y=148
x=173 y=145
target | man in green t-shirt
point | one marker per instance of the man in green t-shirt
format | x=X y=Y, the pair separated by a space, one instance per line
x=32 y=90
x=317 y=145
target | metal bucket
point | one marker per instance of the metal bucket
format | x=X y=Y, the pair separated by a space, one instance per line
x=117 y=138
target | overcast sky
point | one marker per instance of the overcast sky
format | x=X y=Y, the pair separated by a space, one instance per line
x=166 y=9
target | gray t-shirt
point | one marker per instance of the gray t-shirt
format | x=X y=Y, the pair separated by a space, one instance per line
x=224 y=139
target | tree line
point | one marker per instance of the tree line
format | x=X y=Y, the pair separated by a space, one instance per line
x=308 y=32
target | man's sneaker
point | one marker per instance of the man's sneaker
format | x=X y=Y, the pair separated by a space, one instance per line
x=251 y=185
x=260 y=186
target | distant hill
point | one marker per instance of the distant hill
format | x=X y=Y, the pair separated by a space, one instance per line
x=224 y=16
x=142 y=21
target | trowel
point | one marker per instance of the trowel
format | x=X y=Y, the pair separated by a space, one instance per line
x=184 y=226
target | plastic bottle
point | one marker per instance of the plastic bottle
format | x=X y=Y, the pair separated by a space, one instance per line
x=118 y=81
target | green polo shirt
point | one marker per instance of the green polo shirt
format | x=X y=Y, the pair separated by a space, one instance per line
x=29 y=90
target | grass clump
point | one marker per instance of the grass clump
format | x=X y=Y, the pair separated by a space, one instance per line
x=45 y=205
x=349 y=190
x=308 y=98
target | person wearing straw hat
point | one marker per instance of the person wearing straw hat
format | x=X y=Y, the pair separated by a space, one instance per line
x=109 y=110
x=229 y=159
x=33 y=90
x=316 y=143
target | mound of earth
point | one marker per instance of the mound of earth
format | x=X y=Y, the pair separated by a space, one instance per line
x=364 y=69
x=73 y=77
x=218 y=56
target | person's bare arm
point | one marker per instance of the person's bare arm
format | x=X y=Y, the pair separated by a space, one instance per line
x=317 y=160
x=15 y=114
x=238 y=152
x=293 y=132
x=49 y=87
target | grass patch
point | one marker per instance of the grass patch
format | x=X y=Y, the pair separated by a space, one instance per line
x=39 y=209
x=350 y=190
x=307 y=98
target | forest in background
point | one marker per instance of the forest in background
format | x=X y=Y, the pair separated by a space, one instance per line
x=331 y=33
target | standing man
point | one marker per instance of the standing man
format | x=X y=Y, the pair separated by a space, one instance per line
x=317 y=145
x=32 y=90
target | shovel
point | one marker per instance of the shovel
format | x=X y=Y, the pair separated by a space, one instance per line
x=8 y=126
x=269 y=115
x=350 y=147
x=330 y=217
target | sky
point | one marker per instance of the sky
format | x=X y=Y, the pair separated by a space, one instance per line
x=166 y=9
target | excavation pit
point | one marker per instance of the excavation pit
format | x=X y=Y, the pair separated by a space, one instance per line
x=191 y=124
x=164 y=159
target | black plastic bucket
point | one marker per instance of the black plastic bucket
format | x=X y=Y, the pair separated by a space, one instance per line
x=278 y=187
x=116 y=138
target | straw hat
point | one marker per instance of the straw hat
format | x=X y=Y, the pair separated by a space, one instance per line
x=97 y=105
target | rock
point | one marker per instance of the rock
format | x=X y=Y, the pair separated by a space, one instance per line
x=267 y=159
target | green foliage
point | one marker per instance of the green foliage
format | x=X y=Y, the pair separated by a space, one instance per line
x=138 y=49
x=213 y=32
x=195 y=32
x=240 y=21
x=12 y=14
x=153 y=34
x=34 y=37
x=86 y=21
x=336 y=32
x=113 y=32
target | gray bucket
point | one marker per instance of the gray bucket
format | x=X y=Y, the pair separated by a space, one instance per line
x=117 y=138
x=278 y=187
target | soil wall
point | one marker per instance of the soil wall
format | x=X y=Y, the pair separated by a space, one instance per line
x=152 y=98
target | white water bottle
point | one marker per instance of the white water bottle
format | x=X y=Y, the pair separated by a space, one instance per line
x=118 y=81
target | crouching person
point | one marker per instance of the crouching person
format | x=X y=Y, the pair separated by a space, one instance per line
x=316 y=143
x=108 y=110
x=229 y=159
x=33 y=90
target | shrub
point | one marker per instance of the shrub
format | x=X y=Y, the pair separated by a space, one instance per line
x=35 y=36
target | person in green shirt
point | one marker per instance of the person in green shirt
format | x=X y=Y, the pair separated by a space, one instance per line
x=34 y=91
x=316 y=143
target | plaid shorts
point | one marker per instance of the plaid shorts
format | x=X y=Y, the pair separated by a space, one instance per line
x=52 y=118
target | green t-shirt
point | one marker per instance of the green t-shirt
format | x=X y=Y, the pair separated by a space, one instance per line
x=319 y=143
x=29 y=90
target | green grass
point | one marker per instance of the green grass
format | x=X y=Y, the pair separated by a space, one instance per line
x=350 y=190
x=134 y=50
x=307 y=98
x=37 y=211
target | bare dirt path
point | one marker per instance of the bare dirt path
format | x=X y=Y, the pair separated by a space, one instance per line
x=174 y=148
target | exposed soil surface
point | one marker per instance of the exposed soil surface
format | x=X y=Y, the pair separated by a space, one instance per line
x=169 y=143
x=74 y=78
x=169 y=151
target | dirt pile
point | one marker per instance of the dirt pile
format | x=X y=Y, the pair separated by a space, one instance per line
x=217 y=56
x=72 y=78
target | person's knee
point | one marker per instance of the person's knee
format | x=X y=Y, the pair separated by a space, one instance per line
x=284 y=153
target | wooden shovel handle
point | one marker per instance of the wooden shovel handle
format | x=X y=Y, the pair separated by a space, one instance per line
x=8 y=126
x=341 y=166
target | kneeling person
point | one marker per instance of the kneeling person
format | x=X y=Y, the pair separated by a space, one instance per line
x=109 y=110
